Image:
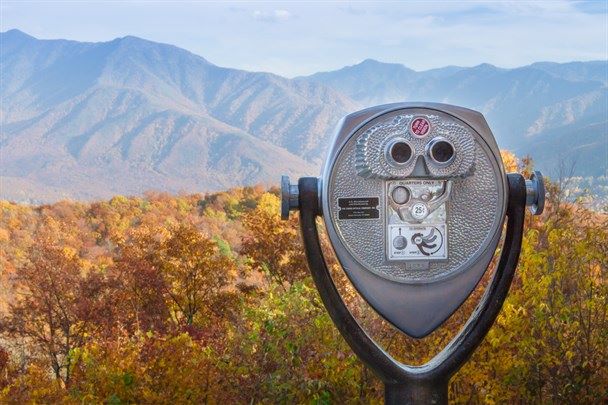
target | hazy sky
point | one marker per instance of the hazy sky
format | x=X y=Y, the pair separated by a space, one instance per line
x=296 y=38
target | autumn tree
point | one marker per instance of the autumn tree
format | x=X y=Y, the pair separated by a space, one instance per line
x=273 y=245
x=150 y=369
x=60 y=302
x=549 y=343
x=136 y=300
x=137 y=270
x=196 y=273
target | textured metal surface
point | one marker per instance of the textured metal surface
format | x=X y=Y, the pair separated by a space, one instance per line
x=415 y=296
x=475 y=207
x=371 y=161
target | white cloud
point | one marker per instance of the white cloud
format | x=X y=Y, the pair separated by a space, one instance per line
x=272 y=16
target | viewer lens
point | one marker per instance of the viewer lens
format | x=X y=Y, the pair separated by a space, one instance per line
x=442 y=151
x=401 y=152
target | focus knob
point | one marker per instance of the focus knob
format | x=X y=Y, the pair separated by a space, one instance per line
x=289 y=197
x=535 y=193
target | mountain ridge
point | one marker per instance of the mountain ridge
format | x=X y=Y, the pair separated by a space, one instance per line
x=92 y=119
x=524 y=106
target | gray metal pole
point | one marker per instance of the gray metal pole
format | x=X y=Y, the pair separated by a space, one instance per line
x=416 y=393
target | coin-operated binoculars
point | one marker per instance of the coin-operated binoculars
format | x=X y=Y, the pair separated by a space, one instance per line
x=414 y=199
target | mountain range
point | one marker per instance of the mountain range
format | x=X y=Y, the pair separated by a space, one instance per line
x=89 y=120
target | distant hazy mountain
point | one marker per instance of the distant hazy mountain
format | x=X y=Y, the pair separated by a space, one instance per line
x=576 y=71
x=88 y=120
x=370 y=82
x=549 y=110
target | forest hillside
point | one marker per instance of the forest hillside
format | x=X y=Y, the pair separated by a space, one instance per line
x=207 y=299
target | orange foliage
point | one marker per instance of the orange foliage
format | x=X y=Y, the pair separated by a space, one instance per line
x=207 y=299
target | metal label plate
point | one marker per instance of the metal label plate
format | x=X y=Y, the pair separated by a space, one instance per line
x=358 y=208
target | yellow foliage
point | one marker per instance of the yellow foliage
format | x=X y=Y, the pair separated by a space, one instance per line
x=207 y=299
x=36 y=386
x=510 y=161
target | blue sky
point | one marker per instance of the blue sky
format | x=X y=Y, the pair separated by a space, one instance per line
x=297 y=38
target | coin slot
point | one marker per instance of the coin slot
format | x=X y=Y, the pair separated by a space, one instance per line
x=400 y=195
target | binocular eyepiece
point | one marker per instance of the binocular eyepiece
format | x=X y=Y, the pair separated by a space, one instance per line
x=440 y=151
x=400 y=152
x=414 y=198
